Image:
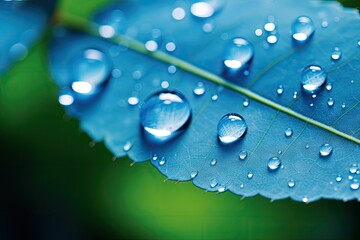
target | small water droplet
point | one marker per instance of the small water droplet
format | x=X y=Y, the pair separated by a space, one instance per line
x=354 y=185
x=353 y=169
x=133 y=101
x=222 y=188
x=170 y=47
x=305 y=199
x=214 y=97
x=312 y=78
x=193 y=174
x=325 y=150
x=336 y=54
x=328 y=86
x=164 y=115
x=243 y=155
x=258 y=32
x=291 y=183
x=288 y=132
x=128 y=145
x=272 y=39
x=250 y=175
x=302 y=29
x=162 y=161
x=330 y=102
x=213 y=183
x=213 y=162
x=280 y=90
x=231 y=128
x=338 y=178
x=274 y=163
x=206 y=8
x=90 y=72
x=199 y=89
x=246 y=102
x=178 y=13
x=238 y=57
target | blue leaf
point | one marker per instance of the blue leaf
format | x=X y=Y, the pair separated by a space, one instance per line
x=22 y=23
x=300 y=147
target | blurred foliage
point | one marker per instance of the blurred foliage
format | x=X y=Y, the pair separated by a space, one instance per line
x=55 y=186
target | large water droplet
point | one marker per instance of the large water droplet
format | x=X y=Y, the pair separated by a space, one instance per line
x=312 y=78
x=231 y=128
x=206 y=8
x=238 y=57
x=243 y=155
x=90 y=72
x=164 y=115
x=302 y=29
x=288 y=132
x=274 y=163
x=336 y=54
x=325 y=150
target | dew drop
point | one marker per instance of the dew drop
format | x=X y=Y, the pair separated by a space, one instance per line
x=90 y=72
x=325 y=150
x=355 y=185
x=162 y=161
x=238 y=57
x=336 y=54
x=193 y=174
x=302 y=29
x=164 y=115
x=199 y=89
x=280 y=90
x=250 y=175
x=312 y=78
x=246 y=102
x=243 y=155
x=213 y=162
x=274 y=163
x=213 y=183
x=178 y=13
x=330 y=102
x=328 y=86
x=128 y=145
x=288 y=132
x=291 y=183
x=231 y=128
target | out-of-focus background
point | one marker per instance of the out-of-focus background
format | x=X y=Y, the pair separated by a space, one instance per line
x=55 y=184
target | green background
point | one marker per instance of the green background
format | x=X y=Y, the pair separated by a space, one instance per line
x=55 y=184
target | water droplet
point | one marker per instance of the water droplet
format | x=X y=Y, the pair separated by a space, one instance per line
x=336 y=54
x=213 y=183
x=330 y=102
x=291 y=183
x=222 y=188
x=338 y=178
x=269 y=26
x=312 y=78
x=199 y=89
x=206 y=8
x=151 y=45
x=246 y=102
x=178 y=13
x=325 y=150
x=172 y=69
x=328 y=86
x=213 y=162
x=106 y=31
x=272 y=39
x=353 y=169
x=193 y=174
x=214 y=97
x=128 y=145
x=66 y=99
x=305 y=199
x=354 y=185
x=250 y=175
x=243 y=155
x=164 y=115
x=90 y=72
x=280 y=90
x=231 y=128
x=288 y=132
x=258 y=32
x=302 y=29
x=238 y=57
x=274 y=163
x=18 y=52
x=162 y=161
x=170 y=47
